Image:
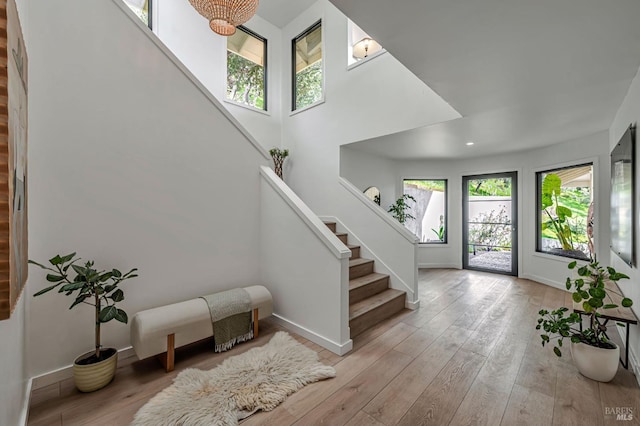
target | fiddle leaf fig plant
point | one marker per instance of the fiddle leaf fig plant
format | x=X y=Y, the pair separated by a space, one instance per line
x=98 y=288
x=591 y=290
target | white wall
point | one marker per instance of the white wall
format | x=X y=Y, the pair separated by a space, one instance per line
x=131 y=164
x=629 y=113
x=308 y=275
x=187 y=34
x=363 y=170
x=13 y=366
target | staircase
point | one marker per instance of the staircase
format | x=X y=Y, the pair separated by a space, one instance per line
x=370 y=298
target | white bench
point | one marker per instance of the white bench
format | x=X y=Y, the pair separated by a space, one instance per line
x=159 y=331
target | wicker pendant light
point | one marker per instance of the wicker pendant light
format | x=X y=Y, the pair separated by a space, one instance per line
x=225 y=15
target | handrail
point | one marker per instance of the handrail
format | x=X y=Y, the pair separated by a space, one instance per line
x=304 y=212
x=207 y=94
x=408 y=235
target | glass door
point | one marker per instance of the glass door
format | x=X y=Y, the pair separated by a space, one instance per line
x=490 y=222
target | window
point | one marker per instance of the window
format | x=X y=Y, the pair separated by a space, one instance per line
x=142 y=8
x=246 y=68
x=307 y=67
x=360 y=45
x=565 y=212
x=429 y=210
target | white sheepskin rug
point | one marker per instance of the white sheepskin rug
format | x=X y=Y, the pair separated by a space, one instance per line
x=258 y=379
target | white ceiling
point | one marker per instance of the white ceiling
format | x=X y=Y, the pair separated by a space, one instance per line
x=281 y=12
x=522 y=73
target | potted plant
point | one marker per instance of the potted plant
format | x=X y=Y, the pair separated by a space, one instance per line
x=595 y=356
x=98 y=288
x=399 y=210
x=278 y=156
x=558 y=217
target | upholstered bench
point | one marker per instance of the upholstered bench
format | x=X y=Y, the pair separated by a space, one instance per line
x=159 y=331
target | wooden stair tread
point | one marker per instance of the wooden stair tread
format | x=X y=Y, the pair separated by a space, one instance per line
x=373 y=302
x=358 y=261
x=351 y=246
x=365 y=280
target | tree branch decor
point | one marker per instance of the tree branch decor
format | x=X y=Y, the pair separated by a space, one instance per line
x=278 y=156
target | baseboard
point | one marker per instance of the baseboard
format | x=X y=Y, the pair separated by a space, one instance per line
x=545 y=281
x=336 y=348
x=439 y=266
x=65 y=373
x=24 y=413
x=412 y=305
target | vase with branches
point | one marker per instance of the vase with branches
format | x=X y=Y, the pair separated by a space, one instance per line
x=400 y=209
x=278 y=156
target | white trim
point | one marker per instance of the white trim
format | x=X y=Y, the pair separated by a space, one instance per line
x=314 y=223
x=367 y=59
x=557 y=258
x=439 y=265
x=249 y=107
x=336 y=348
x=412 y=305
x=65 y=373
x=194 y=80
x=434 y=245
x=24 y=412
x=308 y=107
x=395 y=278
x=379 y=211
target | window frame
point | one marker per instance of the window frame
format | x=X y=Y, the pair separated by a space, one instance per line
x=265 y=78
x=310 y=29
x=445 y=241
x=538 y=205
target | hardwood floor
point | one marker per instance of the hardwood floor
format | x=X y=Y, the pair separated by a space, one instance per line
x=469 y=356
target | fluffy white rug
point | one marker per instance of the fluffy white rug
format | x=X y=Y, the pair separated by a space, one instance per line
x=258 y=379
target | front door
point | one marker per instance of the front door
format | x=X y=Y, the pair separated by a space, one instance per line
x=490 y=222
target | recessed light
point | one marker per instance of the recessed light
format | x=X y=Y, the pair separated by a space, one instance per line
x=469 y=143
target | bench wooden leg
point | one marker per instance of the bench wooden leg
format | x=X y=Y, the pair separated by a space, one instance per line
x=168 y=358
x=255 y=323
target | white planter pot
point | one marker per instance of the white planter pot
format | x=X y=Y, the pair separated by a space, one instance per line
x=596 y=363
x=91 y=377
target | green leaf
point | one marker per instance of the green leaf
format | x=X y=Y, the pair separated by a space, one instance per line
x=568 y=284
x=33 y=262
x=71 y=287
x=584 y=294
x=626 y=302
x=43 y=291
x=596 y=303
x=572 y=264
x=117 y=296
x=116 y=273
x=576 y=297
x=54 y=278
x=575 y=339
x=121 y=316
x=563 y=213
x=587 y=307
x=79 y=300
x=556 y=350
x=598 y=293
x=56 y=260
x=68 y=257
x=80 y=270
x=108 y=313
x=104 y=277
x=609 y=306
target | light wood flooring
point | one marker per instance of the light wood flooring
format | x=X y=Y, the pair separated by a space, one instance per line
x=469 y=356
